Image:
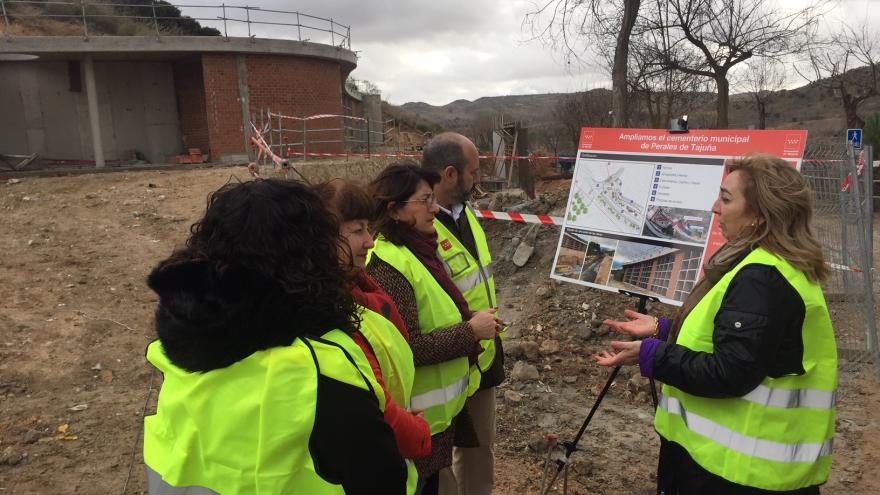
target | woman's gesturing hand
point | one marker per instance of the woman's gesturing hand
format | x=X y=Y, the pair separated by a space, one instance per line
x=638 y=325
x=628 y=353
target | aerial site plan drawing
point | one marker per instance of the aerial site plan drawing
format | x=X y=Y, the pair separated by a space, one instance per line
x=639 y=215
x=610 y=195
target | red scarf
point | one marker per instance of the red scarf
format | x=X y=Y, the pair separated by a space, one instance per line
x=368 y=294
x=424 y=247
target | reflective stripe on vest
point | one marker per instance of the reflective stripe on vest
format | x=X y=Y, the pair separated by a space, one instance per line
x=780 y=397
x=438 y=396
x=778 y=436
x=750 y=446
x=473 y=277
x=437 y=385
x=157 y=486
x=244 y=429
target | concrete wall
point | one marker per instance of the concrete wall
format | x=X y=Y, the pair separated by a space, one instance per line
x=42 y=113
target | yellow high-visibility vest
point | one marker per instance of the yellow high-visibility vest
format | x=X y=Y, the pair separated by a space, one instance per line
x=779 y=435
x=439 y=389
x=244 y=429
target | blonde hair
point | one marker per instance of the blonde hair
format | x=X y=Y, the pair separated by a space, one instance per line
x=781 y=196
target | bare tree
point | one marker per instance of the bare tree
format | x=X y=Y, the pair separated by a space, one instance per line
x=832 y=64
x=761 y=79
x=582 y=109
x=709 y=37
x=573 y=26
x=663 y=92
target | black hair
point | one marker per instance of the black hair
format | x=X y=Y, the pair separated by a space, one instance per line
x=395 y=184
x=280 y=234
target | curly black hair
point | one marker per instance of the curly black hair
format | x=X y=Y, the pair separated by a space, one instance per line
x=281 y=238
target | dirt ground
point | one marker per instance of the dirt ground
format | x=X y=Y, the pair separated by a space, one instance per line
x=76 y=316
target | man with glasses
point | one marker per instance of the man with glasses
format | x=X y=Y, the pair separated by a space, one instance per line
x=461 y=244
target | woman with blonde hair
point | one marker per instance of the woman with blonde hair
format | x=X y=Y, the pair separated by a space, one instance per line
x=749 y=364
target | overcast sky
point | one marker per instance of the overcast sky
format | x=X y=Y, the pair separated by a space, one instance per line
x=440 y=51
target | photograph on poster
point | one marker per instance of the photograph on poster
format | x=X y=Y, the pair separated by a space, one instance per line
x=584 y=257
x=679 y=224
x=667 y=272
x=597 y=264
x=571 y=254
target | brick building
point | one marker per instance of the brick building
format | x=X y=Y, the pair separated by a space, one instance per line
x=141 y=96
x=670 y=272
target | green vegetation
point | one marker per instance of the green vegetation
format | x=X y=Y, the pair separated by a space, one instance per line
x=125 y=18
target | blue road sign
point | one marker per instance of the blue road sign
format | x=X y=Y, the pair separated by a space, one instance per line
x=854 y=136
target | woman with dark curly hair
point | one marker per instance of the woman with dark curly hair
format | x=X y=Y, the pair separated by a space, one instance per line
x=265 y=392
x=444 y=333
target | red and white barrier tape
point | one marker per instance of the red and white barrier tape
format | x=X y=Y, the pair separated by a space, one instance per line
x=419 y=155
x=843 y=268
x=519 y=217
x=548 y=220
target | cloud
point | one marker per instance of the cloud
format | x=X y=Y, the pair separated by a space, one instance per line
x=437 y=52
x=429 y=51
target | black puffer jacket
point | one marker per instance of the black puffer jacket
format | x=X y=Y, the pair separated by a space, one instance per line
x=208 y=320
x=757 y=334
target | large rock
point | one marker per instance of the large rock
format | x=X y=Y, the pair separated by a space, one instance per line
x=584 y=331
x=549 y=346
x=523 y=371
x=526 y=247
x=509 y=248
x=522 y=349
x=512 y=397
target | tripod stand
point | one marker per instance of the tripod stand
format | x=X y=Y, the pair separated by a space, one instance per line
x=571 y=445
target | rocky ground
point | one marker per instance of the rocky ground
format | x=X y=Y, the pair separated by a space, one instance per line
x=75 y=317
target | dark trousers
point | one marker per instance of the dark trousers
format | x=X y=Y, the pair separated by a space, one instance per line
x=678 y=474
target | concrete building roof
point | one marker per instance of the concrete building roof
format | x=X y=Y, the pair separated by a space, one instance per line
x=168 y=47
x=652 y=256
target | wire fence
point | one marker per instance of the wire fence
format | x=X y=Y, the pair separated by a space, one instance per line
x=97 y=18
x=841 y=179
x=324 y=135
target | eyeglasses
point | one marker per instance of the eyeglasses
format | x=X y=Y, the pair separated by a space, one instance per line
x=429 y=200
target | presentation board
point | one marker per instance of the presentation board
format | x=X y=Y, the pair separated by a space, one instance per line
x=639 y=215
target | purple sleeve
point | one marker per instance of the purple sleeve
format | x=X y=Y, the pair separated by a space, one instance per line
x=664 y=324
x=646 y=356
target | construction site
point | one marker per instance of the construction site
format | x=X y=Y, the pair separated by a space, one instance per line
x=101 y=177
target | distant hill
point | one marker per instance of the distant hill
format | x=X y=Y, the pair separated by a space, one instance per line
x=533 y=108
x=807 y=107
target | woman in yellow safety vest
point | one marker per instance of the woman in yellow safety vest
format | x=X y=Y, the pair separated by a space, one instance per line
x=264 y=390
x=443 y=333
x=382 y=334
x=749 y=364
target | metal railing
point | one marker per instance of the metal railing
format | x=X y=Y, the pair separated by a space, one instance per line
x=301 y=138
x=228 y=20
